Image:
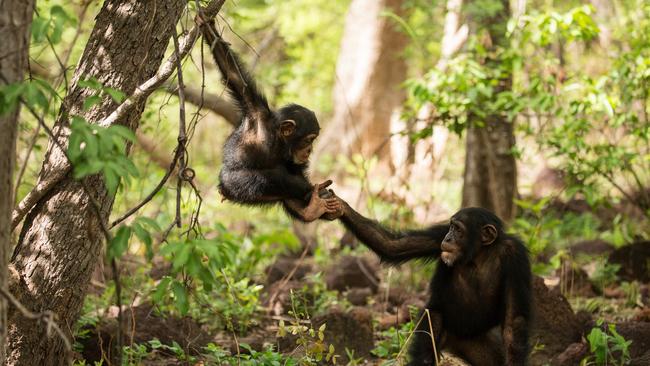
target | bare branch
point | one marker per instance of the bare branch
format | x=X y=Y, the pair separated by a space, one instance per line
x=210 y=101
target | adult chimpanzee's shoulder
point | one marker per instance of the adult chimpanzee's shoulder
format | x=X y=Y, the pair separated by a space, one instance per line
x=515 y=254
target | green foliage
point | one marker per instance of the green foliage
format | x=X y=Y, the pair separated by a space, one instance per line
x=607 y=346
x=309 y=339
x=35 y=93
x=139 y=352
x=218 y=356
x=392 y=343
x=94 y=149
x=200 y=260
x=605 y=273
x=50 y=27
x=593 y=125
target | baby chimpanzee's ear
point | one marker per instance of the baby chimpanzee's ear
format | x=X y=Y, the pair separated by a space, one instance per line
x=488 y=234
x=287 y=127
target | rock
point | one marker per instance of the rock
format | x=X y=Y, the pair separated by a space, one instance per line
x=554 y=325
x=143 y=324
x=358 y=295
x=283 y=266
x=572 y=355
x=591 y=247
x=351 y=272
x=634 y=259
x=398 y=295
x=351 y=330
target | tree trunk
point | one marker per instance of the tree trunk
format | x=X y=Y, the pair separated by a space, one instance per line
x=61 y=237
x=369 y=72
x=490 y=179
x=15 y=23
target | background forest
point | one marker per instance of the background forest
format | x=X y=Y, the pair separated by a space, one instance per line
x=121 y=250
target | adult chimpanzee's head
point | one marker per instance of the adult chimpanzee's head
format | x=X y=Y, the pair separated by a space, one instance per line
x=299 y=128
x=469 y=229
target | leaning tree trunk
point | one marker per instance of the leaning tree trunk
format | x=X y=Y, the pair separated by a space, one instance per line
x=369 y=71
x=15 y=22
x=60 y=241
x=490 y=179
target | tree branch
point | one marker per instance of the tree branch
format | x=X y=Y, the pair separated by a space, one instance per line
x=210 y=101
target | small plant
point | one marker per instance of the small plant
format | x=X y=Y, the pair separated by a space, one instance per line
x=393 y=340
x=632 y=293
x=311 y=340
x=607 y=347
x=605 y=274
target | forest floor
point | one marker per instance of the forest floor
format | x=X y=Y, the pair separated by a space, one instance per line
x=370 y=310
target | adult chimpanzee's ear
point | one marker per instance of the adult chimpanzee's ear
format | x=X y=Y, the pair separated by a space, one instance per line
x=287 y=127
x=488 y=234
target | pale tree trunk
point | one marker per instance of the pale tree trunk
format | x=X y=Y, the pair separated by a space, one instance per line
x=15 y=22
x=369 y=72
x=605 y=11
x=60 y=241
x=490 y=178
x=421 y=159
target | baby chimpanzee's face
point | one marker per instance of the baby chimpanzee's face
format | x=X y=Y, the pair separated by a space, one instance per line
x=303 y=149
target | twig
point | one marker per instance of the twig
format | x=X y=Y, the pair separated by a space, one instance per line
x=150 y=196
x=46 y=316
x=182 y=136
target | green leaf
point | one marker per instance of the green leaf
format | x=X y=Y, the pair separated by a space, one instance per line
x=182 y=256
x=150 y=222
x=86 y=169
x=180 y=293
x=112 y=180
x=115 y=94
x=91 y=83
x=91 y=101
x=120 y=242
x=161 y=289
x=123 y=132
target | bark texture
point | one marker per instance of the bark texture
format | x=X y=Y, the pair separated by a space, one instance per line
x=15 y=22
x=369 y=72
x=490 y=178
x=61 y=237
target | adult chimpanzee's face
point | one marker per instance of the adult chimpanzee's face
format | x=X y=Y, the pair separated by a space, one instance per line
x=454 y=242
x=465 y=238
x=303 y=148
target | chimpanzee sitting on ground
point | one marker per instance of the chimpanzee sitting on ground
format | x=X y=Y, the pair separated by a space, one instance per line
x=483 y=282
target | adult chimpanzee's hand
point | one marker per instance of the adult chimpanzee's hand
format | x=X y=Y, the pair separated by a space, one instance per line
x=331 y=216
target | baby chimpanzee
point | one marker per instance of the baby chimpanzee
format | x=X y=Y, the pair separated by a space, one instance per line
x=266 y=157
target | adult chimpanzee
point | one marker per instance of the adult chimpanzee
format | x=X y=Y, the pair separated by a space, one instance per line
x=265 y=158
x=483 y=282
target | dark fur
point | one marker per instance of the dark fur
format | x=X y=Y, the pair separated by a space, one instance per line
x=257 y=166
x=488 y=286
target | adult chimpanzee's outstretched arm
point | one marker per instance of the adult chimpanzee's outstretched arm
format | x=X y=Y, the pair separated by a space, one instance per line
x=394 y=247
x=239 y=82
